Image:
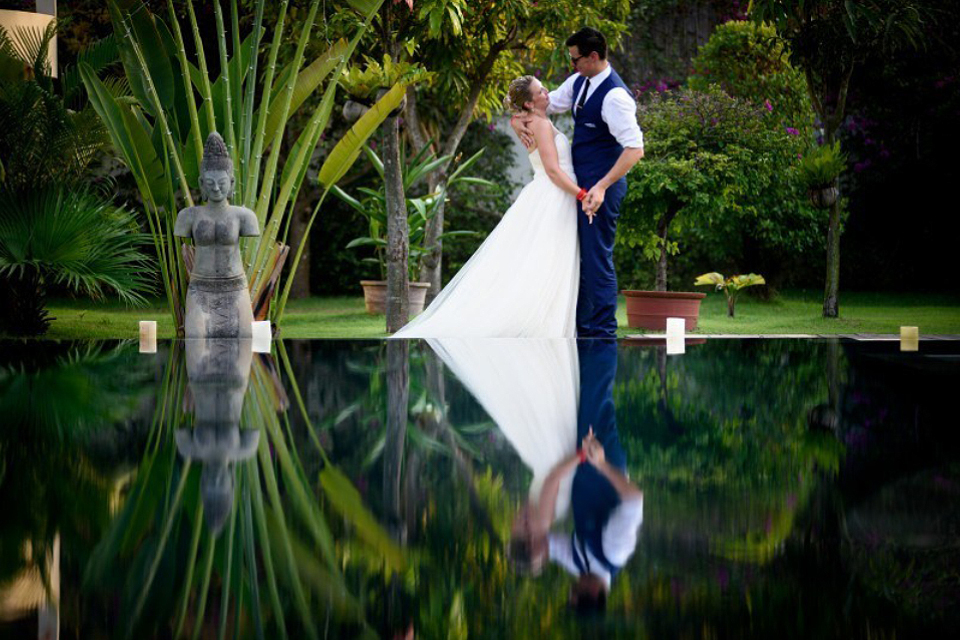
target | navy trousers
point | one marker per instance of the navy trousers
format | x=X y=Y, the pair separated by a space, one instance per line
x=597 y=300
x=593 y=498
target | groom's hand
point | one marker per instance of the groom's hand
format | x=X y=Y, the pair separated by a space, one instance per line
x=521 y=126
x=594 y=199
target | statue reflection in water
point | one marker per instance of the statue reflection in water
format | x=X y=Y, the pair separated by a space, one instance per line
x=553 y=400
x=217 y=371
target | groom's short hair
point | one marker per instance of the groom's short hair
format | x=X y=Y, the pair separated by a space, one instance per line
x=587 y=41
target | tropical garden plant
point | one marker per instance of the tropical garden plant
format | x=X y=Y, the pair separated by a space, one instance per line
x=731 y=286
x=373 y=206
x=820 y=167
x=175 y=102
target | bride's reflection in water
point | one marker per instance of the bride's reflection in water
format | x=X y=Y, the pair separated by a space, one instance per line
x=218 y=371
x=553 y=401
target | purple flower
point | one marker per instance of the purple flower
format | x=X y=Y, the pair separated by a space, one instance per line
x=792 y=131
x=537 y=73
x=492 y=127
x=769 y=107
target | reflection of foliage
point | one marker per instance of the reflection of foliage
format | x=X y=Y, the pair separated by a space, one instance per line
x=724 y=426
x=278 y=537
x=56 y=403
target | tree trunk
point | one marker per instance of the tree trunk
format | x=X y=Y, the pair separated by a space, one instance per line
x=398 y=395
x=831 y=119
x=831 y=289
x=663 y=225
x=731 y=303
x=298 y=226
x=398 y=232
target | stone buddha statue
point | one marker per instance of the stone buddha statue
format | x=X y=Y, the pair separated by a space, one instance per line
x=218 y=298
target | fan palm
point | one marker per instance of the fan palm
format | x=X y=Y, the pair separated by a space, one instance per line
x=67 y=237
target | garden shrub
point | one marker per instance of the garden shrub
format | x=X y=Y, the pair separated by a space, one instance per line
x=758 y=217
x=716 y=169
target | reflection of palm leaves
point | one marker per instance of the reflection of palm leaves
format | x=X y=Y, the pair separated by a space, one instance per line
x=67 y=398
x=54 y=401
x=277 y=535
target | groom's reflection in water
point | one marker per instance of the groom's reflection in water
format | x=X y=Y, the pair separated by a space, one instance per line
x=607 y=507
x=217 y=371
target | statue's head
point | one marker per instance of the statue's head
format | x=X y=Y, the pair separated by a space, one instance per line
x=216 y=170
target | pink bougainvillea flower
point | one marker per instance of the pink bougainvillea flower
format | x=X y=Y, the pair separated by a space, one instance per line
x=792 y=131
x=767 y=105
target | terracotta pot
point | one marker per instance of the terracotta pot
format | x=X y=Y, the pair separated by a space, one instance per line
x=375 y=296
x=650 y=309
x=823 y=198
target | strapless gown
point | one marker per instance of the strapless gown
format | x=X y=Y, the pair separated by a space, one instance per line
x=522 y=282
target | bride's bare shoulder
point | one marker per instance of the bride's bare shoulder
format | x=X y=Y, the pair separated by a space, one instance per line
x=541 y=127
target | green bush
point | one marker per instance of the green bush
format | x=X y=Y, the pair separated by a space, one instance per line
x=748 y=61
x=782 y=230
x=710 y=160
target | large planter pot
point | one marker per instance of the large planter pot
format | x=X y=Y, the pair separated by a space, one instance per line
x=375 y=296
x=650 y=309
x=823 y=197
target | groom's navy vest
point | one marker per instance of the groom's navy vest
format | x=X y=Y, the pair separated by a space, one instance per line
x=595 y=150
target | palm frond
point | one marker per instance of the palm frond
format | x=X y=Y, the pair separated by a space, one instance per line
x=73 y=238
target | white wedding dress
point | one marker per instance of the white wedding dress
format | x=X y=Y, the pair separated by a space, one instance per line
x=530 y=389
x=522 y=282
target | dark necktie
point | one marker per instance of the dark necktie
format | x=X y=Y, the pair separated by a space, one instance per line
x=583 y=96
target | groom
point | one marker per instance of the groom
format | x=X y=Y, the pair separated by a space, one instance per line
x=607 y=142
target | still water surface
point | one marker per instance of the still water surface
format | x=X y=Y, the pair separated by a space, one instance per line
x=790 y=488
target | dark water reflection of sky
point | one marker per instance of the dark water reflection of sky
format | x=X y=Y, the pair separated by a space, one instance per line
x=790 y=488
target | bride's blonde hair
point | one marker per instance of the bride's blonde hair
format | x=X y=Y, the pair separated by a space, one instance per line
x=518 y=94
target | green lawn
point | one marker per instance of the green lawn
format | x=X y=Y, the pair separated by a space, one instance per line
x=344 y=317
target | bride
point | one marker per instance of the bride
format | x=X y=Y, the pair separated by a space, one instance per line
x=522 y=282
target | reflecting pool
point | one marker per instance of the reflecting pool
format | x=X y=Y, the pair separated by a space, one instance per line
x=742 y=488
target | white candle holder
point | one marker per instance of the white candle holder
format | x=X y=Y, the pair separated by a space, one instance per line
x=148 y=336
x=262 y=334
x=676 y=327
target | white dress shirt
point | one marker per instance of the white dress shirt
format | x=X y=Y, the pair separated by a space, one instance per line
x=619 y=540
x=618 y=111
